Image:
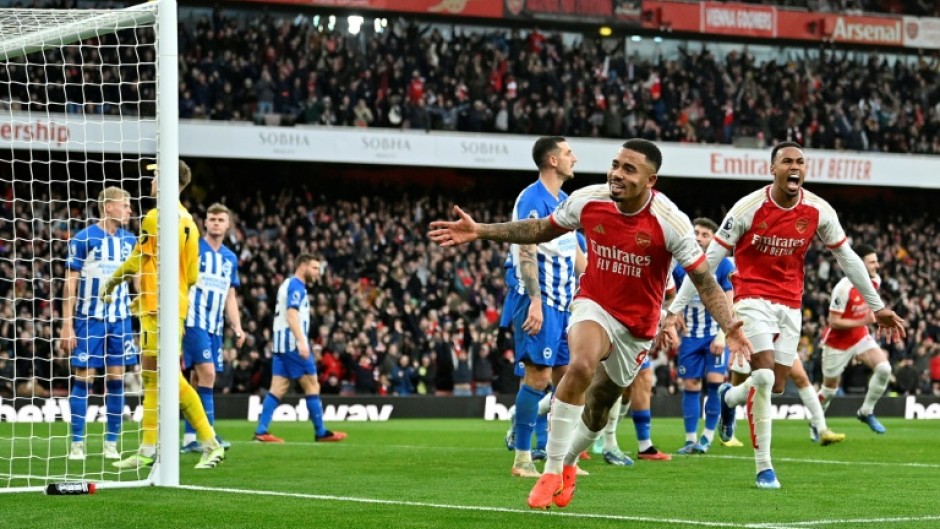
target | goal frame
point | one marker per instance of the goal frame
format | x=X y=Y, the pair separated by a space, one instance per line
x=163 y=15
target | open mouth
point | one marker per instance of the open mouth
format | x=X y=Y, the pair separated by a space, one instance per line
x=616 y=188
x=793 y=182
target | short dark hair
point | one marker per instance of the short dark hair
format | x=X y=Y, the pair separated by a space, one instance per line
x=863 y=249
x=707 y=223
x=646 y=148
x=783 y=145
x=543 y=147
x=304 y=258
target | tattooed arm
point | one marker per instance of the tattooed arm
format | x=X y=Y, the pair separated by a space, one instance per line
x=529 y=270
x=464 y=230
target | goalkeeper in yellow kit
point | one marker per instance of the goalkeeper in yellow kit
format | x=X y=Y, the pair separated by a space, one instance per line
x=144 y=259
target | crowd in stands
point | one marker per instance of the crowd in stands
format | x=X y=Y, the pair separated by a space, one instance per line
x=275 y=68
x=394 y=314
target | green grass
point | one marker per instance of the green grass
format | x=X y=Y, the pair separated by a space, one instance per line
x=455 y=473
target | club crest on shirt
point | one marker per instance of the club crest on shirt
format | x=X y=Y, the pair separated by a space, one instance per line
x=801 y=224
x=643 y=240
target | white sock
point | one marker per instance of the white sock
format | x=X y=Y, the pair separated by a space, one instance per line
x=147 y=451
x=189 y=438
x=546 y=403
x=708 y=434
x=610 y=431
x=825 y=394
x=644 y=445
x=811 y=401
x=738 y=394
x=582 y=438
x=759 y=418
x=876 y=387
x=523 y=456
x=565 y=418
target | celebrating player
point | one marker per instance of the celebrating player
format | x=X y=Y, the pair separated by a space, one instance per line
x=770 y=231
x=633 y=233
x=847 y=337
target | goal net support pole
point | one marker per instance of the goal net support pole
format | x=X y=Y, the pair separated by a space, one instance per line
x=34 y=31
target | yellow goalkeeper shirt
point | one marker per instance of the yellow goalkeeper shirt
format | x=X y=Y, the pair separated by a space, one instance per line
x=144 y=259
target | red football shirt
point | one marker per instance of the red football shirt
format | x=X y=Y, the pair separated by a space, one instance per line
x=629 y=256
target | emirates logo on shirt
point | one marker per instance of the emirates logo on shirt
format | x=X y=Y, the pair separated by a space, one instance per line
x=801 y=225
x=643 y=240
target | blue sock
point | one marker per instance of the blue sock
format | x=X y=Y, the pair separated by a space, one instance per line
x=208 y=402
x=527 y=412
x=78 y=403
x=691 y=410
x=712 y=405
x=641 y=423
x=114 y=404
x=315 y=409
x=541 y=431
x=267 y=412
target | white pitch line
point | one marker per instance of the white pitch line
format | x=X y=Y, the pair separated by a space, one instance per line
x=830 y=462
x=707 y=456
x=844 y=521
x=400 y=503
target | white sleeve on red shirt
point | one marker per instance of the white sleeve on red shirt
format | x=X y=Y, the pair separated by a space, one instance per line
x=840 y=296
x=830 y=230
x=679 y=237
x=739 y=218
x=568 y=214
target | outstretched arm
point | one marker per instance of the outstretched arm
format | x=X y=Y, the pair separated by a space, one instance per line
x=464 y=230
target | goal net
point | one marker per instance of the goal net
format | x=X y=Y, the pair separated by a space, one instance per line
x=81 y=117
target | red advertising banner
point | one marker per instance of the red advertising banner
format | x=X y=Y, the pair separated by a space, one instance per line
x=738 y=19
x=469 y=8
x=714 y=18
x=564 y=9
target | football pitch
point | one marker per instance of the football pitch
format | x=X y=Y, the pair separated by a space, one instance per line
x=455 y=473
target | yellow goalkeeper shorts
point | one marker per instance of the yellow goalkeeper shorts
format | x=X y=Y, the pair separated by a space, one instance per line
x=149 y=341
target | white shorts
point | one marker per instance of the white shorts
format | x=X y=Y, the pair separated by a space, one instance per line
x=627 y=353
x=771 y=326
x=834 y=361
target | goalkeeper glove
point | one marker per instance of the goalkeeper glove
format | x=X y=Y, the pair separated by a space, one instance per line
x=109 y=286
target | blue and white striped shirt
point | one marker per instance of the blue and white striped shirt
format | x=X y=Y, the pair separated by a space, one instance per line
x=96 y=255
x=218 y=272
x=556 y=258
x=698 y=321
x=291 y=295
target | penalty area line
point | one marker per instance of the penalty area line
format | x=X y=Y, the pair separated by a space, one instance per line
x=477 y=508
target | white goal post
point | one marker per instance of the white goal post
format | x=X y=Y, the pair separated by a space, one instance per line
x=88 y=98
